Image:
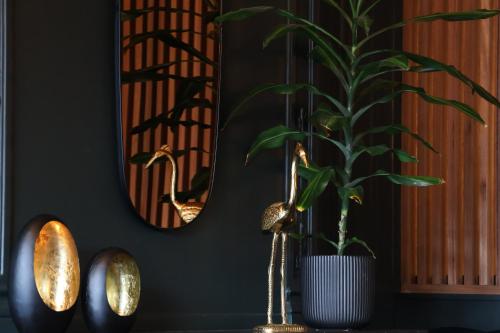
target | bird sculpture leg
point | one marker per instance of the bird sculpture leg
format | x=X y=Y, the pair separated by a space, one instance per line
x=284 y=238
x=270 y=280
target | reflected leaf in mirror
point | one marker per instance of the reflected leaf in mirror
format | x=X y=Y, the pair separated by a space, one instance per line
x=199 y=185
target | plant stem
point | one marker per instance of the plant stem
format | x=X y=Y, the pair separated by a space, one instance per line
x=348 y=137
x=344 y=211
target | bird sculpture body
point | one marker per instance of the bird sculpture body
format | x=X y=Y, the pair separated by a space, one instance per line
x=276 y=219
x=188 y=211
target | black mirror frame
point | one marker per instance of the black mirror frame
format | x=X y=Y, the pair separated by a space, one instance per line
x=5 y=169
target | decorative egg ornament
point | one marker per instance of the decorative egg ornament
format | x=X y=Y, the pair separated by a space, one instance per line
x=112 y=292
x=44 y=279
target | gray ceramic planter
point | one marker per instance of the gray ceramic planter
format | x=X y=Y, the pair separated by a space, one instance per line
x=337 y=291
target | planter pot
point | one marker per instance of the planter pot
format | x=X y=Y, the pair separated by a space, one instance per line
x=337 y=291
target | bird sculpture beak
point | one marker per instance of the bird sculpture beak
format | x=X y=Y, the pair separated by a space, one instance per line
x=301 y=153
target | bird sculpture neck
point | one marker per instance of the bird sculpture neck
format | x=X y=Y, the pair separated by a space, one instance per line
x=299 y=153
x=173 y=181
x=293 y=182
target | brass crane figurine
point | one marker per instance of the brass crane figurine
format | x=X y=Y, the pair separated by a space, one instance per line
x=276 y=218
x=187 y=211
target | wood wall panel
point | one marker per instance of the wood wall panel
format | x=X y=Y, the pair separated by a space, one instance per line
x=450 y=233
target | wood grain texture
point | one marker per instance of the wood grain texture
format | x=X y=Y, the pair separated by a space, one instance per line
x=450 y=233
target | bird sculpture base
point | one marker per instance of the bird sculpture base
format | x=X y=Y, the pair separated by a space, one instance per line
x=281 y=328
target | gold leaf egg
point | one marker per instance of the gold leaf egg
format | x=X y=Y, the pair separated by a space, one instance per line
x=56 y=267
x=123 y=284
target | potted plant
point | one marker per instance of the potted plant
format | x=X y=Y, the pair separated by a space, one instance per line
x=337 y=291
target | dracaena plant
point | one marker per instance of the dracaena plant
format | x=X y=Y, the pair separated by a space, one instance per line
x=362 y=75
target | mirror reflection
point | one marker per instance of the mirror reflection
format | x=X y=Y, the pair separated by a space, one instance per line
x=168 y=85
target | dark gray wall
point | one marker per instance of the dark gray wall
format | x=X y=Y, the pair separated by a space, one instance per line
x=211 y=274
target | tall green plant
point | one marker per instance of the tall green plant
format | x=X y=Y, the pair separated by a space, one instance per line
x=362 y=74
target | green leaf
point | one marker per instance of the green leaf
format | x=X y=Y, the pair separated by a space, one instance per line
x=339 y=170
x=319 y=56
x=314 y=188
x=382 y=149
x=126 y=15
x=327 y=121
x=397 y=61
x=308 y=172
x=212 y=4
x=201 y=179
x=328 y=49
x=354 y=193
x=243 y=13
x=462 y=107
x=297 y=236
x=366 y=23
x=281 y=89
x=478 y=14
x=393 y=63
x=189 y=103
x=430 y=64
x=330 y=52
x=144 y=76
x=274 y=138
x=338 y=144
x=379 y=32
x=355 y=240
x=394 y=129
x=165 y=120
x=281 y=31
x=376 y=150
x=314 y=27
x=132 y=14
x=404 y=156
x=166 y=37
x=369 y=8
x=419 y=181
x=344 y=14
x=200 y=184
x=153 y=75
x=404 y=88
x=189 y=88
x=324 y=238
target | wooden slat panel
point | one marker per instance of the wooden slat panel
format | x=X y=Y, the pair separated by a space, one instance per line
x=450 y=233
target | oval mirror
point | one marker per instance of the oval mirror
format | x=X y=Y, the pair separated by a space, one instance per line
x=167 y=97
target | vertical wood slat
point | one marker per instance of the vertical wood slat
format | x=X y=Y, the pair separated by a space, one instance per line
x=450 y=233
x=142 y=100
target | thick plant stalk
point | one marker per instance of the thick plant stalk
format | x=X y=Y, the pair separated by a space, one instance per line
x=348 y=134
x=344 y=211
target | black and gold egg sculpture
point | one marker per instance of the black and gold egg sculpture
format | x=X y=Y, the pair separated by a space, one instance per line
x=112 y=292
x=44 y=279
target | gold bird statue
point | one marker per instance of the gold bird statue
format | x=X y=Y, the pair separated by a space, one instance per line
x=187 y=211
x=276 y=218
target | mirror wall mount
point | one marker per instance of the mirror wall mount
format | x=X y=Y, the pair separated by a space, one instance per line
x=167 y=87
